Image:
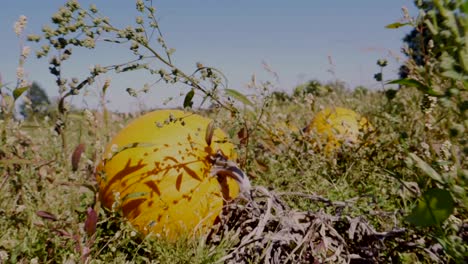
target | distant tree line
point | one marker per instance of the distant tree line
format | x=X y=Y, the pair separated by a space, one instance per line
x=36 y=103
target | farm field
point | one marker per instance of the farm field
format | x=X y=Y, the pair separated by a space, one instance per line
x=337 y=175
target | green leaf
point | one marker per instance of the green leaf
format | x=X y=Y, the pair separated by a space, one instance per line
x=433 y=208
x=464 y=7
x=447 y=62
x=419 y=85
x=396 y=25
x=426 y=168
x=239 y=97
x=378 y=77
x=453 y=75
x=113 y=41
x=134 y=195
x=19 y=91
x=188 y=99
x=133 y=67
x=432 y=28
x=463 y=54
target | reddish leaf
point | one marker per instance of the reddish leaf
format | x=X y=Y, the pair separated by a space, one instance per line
x=90 y=222
x=63 y=233
x=243 y=135
x=209 y=133
x=46 y=215
x=76 y=156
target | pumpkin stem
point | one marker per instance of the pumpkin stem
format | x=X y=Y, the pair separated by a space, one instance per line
x=225 y=167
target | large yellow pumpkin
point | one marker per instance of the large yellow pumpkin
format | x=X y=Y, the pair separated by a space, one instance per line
x=158 y=170
x=335 y=126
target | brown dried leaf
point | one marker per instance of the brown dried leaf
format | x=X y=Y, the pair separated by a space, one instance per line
x=46 y=215
x=261 y=166
x=209 y=133
x=63 y=233
x=43 y=172
x=243 y=136
x=76 y=156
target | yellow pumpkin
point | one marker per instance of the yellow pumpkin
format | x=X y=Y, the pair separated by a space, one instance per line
x=334 y=126
x=158 y=170
x=277 y=136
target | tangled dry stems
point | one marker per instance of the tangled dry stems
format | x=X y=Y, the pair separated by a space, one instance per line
x=269 y=231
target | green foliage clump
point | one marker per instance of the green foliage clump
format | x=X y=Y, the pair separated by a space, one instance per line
x=437 y=65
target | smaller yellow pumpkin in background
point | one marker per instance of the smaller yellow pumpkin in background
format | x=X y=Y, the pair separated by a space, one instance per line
x=334 y=126
x=279 y=135
x=160 y=171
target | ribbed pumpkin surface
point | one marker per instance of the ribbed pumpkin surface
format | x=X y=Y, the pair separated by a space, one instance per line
x=335 y=126
x=157 y=170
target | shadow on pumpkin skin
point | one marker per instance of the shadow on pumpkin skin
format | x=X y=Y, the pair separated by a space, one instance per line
x=154 y=187
x=184 y=166
x=181 y=167
x=222 y=180
x=130 y=208
x=128 y=169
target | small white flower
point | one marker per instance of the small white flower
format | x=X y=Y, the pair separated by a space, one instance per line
x=25 y=52
x=429 y=126
x=432 y=102
x=430 y=44
x=426 y=150
x=309 y=98
x=20 y=73
x=20 y=25
x=114 y=148
x=70 y=259
x=89 y=116
x=3 y=255
x=24 y=83
x=20 y=208
x=405 y=13
x=116 y=204
x=445 y=148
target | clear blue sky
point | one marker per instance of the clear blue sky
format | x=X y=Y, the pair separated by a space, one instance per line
x=294 y=37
